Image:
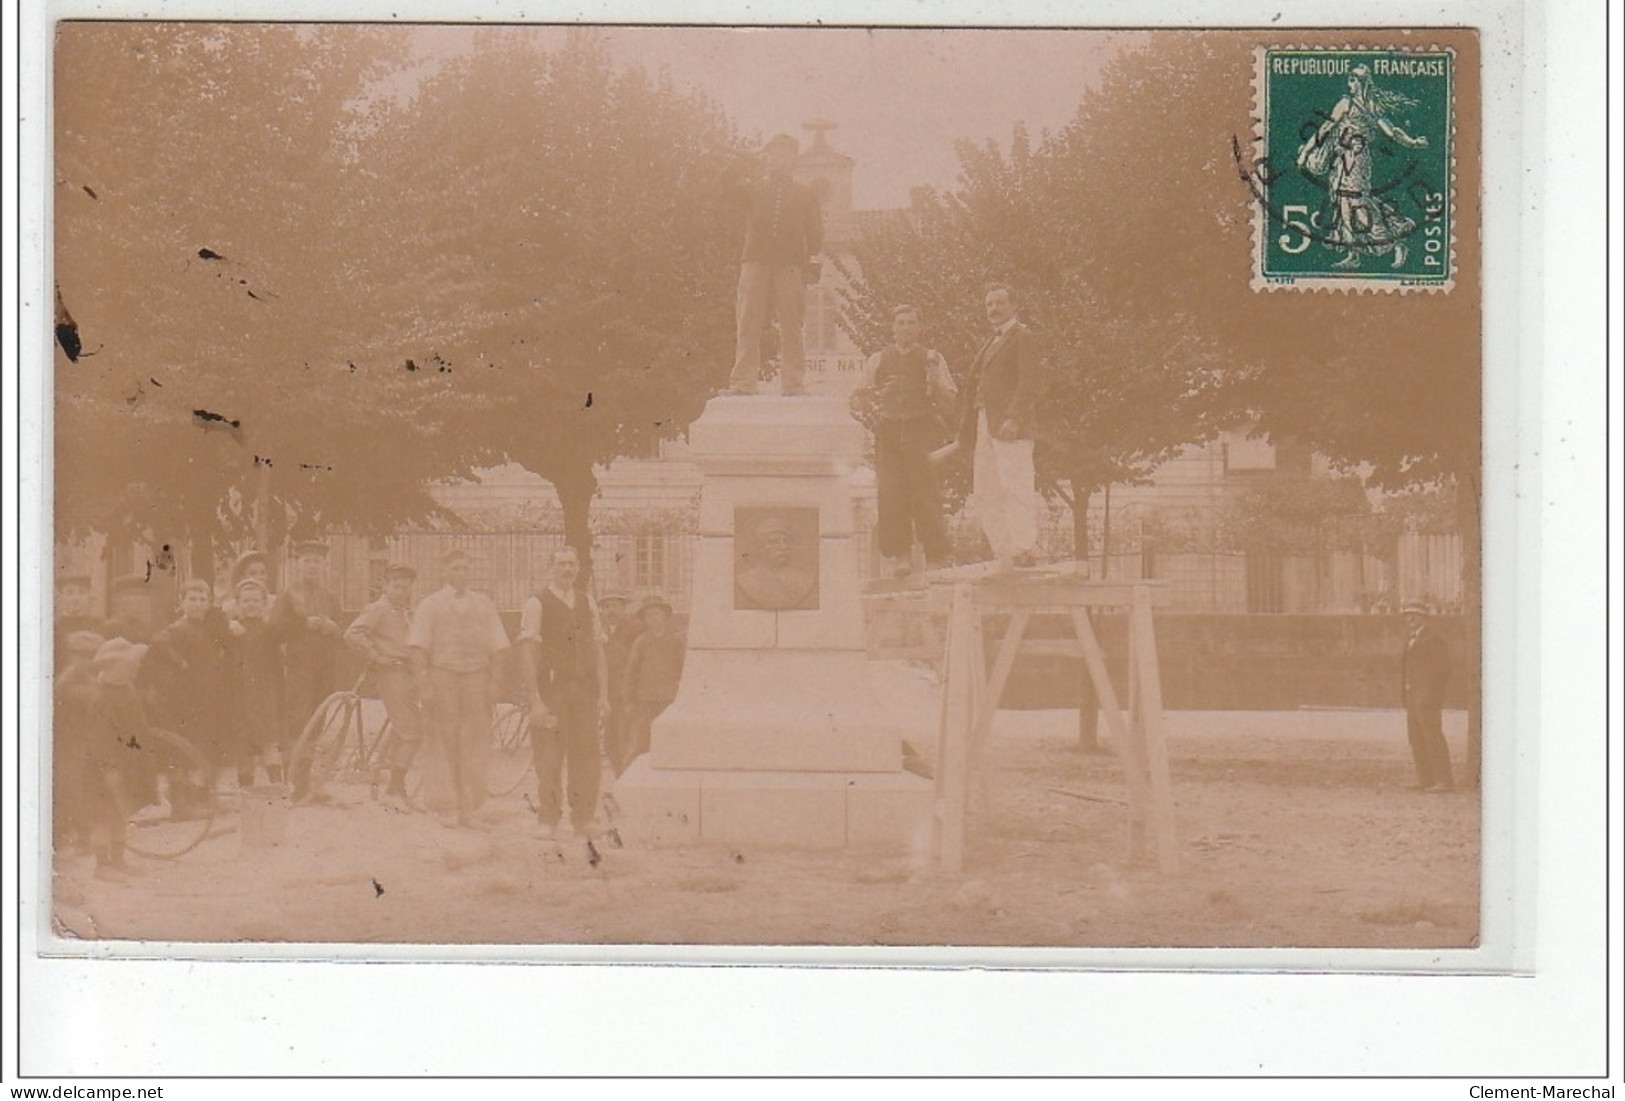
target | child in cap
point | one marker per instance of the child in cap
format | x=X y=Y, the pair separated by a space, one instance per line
x=653 y=671
x=72 y=613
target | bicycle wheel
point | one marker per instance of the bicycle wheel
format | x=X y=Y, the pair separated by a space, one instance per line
x=330 y=746
x=182 y=806
x=510 y=749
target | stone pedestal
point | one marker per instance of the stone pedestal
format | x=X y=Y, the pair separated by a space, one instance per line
x=776 y=735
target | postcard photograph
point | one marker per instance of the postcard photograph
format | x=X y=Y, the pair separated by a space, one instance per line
x=838 y=487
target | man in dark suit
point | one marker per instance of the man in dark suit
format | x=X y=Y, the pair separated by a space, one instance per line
x=1425 y=667
x=784 y=232
x=996 y=419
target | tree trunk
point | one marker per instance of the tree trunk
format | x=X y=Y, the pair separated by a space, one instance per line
x=576 y=484
x=1080 y=519
x=1468 y=520
x=1088 y=704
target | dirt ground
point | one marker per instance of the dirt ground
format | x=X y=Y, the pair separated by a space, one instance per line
x=1296 y=830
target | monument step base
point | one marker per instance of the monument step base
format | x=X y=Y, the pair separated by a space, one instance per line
x=822 y=810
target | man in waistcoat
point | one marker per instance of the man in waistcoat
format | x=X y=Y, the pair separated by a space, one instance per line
x=563 y=673
x=784 y=232
x=1424 y=670
x=911 y=389
x=998 y=411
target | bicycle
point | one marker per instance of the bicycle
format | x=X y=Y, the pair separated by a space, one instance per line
x=510 y=748
x=336 y=746
x=182 y=807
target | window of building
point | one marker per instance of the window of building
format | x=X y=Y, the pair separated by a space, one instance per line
x=649 y=562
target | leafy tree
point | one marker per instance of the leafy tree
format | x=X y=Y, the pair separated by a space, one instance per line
x=560 y=256
x=204 y=221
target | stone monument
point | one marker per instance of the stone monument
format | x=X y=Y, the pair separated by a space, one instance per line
x=776 y=735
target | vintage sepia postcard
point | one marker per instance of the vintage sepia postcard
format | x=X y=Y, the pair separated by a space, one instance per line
x=941 y=513
x=545 y=485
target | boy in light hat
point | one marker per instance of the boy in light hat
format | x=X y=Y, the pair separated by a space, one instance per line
x=652 y=675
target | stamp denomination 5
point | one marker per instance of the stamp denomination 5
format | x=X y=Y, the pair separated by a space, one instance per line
x=1353 y=169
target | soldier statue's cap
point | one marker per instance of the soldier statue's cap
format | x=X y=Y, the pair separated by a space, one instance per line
x=130 y=582
x=772 y=524
x=85 y=642
x=400 y=569
x=310 y=546
x=1416 y=607
x=80 y=579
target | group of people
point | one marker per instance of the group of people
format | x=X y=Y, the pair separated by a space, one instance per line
x=913 y=398
x=241 y=679
x=913 y=393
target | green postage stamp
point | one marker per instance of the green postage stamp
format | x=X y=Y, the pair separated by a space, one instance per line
x=1355 y=178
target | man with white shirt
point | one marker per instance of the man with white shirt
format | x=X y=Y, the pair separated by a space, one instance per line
x=997 y=415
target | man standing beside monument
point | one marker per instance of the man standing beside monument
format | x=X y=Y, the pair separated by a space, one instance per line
x=562 y=669
x=910 y=385
x=997 y=419
x=784 y=232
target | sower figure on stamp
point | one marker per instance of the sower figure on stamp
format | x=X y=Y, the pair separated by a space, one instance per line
x=562 y=670
x=458 y=645
x=380 y=634
x=1342 y=149
x=911 y=390
x=784 y=232
x=997 y=412
x=1425 y=668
